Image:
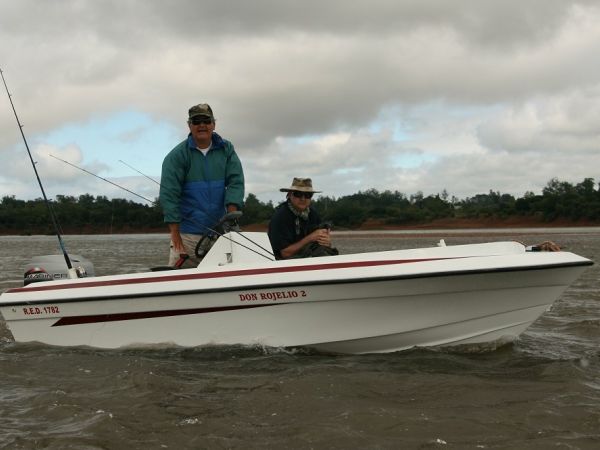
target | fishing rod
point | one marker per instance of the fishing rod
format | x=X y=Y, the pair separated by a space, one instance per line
x=73 y=273
x=104 y=179
x=213 y=219
x=202 y=225
x=151 y=179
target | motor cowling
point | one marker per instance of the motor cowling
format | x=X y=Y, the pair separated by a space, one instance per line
x=54 y=267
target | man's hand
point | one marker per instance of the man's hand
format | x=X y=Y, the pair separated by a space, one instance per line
x=321 y=237
x=176 y=238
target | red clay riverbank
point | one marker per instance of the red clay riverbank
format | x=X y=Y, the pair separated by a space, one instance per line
x=460 y=224
x=370 y=225
x=455 y=223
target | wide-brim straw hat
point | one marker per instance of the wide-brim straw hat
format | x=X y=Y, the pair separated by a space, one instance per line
x=300 y=185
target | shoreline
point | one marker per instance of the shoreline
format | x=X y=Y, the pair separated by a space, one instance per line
x=441 y=226
x=456 y=224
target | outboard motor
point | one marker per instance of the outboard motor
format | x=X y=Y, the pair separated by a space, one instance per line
x=54 y=267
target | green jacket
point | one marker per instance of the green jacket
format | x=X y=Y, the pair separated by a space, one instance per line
x=195 y=188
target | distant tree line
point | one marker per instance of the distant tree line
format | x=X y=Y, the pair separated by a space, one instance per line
x=559 y=200
x=82 y=215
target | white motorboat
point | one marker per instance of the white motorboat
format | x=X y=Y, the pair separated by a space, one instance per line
x=355 y=303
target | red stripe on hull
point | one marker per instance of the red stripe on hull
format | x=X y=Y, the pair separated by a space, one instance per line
x=232 y=273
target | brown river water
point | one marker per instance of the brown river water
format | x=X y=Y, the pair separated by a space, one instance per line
x=540 y=392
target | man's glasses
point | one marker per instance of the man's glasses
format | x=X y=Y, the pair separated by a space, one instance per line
x=307 y=195
x=201 y=121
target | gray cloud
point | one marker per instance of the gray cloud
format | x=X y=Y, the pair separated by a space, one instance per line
x=478 y=81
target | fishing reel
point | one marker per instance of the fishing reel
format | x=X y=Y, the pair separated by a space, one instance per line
x=229 y=222
x=321 y=226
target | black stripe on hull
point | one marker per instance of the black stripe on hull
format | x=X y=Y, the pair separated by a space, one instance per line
x=99 y=318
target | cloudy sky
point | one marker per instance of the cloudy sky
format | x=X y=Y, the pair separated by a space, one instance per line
x=408 y=95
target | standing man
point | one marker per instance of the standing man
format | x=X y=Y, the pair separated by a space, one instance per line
x=202 y=178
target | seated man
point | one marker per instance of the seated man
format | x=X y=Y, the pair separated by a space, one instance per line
x=295 y=230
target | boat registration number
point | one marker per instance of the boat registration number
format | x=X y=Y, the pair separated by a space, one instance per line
x=40 y=310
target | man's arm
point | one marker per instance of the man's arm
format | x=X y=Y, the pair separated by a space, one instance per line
x=171 y=182
x=234 y=181
x=321 y=236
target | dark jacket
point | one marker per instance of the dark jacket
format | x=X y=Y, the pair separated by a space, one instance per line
x=283 y=231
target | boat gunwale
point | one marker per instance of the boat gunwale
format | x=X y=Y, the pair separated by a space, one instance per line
x=278 y=285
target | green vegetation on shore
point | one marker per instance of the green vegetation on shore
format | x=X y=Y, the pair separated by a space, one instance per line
x=559 y=201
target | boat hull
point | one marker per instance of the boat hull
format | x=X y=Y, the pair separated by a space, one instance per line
x=382 y=302
x=381 y=312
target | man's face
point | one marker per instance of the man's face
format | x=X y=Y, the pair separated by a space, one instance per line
x=300 y=200
x=201 y=129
